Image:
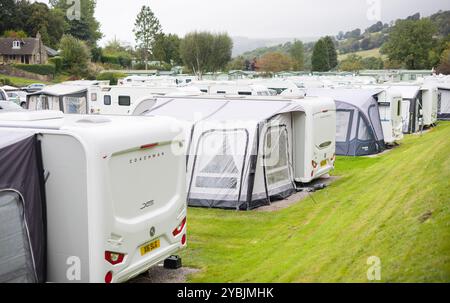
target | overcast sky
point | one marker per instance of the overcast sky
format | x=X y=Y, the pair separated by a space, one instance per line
x=258 y=18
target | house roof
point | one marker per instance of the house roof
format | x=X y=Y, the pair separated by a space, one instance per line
x=51 y=52
x=27 y=47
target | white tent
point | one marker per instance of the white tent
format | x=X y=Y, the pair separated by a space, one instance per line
x=239 y=153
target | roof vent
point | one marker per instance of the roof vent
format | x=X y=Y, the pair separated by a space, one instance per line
x=94 y=120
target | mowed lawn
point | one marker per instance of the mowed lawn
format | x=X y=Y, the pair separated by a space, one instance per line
x=395 y=206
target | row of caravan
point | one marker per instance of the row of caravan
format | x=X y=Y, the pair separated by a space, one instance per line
x=100 y=198
x=99 y=192
x=128 y=100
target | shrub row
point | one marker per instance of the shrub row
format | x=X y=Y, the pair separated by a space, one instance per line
x=40 y=69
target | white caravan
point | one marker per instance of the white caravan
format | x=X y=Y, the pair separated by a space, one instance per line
x=84 y=98
x=115 y=192
x=314 y=135
x=411 y=107
x=313 y=125
x=430 y=96
x=390 y=107
x=278 y=85
x=390 y=104
x=131 y=100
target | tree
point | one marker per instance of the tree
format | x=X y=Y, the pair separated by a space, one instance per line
x=444 y=65
x=332 y=54
x=14 y=34
x=7 y=14
x=239 y=63
x=86 y=28
x=320 y=58
x=167 y=49
x=204 y=51
x=410 y=43
x=75 y=54
x=274 y=62
x=297 y=52
x=221 y=48
x=147 y=29
x=372 y=63
x=351 y=63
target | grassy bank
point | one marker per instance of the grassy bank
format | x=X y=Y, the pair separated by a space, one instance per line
x=394 y=206
x=20 y=82
x=364 y=54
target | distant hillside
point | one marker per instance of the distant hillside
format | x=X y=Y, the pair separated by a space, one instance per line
x=365 y=43
x=244 y=45
x=363 y=54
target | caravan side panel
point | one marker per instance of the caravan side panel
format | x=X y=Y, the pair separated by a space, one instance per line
x=66 y=188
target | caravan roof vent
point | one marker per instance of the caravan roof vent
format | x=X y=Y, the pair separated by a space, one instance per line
x=94 y=120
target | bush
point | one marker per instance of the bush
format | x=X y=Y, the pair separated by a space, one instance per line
x=76 y=55
x=121 y=61
x=112 y=77
x=40 y=69
x=58 y=63
x=110 y=59
x=6 y=81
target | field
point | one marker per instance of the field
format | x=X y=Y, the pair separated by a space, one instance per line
x=364 y=54
x=20 y=82
x=394 y=206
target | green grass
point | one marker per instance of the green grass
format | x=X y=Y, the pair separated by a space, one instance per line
x=376 y=208
x=364 y=54
x=18 y=81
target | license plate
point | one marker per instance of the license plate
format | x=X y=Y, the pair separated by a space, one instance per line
x=323 y=163
x=145 y=249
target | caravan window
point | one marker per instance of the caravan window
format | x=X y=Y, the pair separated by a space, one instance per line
x=2 y=96
x=75 y=105
x=220 y=159
x=363 y=130
x=124 y=100
x=385 y=111
x=399 y=108
x=245 y=93
x=107 y=100
x=342 y=125
x=221 y=92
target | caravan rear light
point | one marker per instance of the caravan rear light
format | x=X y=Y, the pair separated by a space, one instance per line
x=108 y=277
x=149 y=146
x=180 y=228
x=312 y=173
x=183 y=239
x=314 y=164
x=114 y=258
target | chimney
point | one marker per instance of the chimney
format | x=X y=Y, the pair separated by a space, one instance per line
x=38 y=35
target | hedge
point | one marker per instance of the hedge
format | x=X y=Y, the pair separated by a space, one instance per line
x=58 y=63
x=40 y=69
x=112 y=77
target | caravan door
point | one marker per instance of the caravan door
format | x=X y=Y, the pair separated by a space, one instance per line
x=277 y=162
x=218 y=168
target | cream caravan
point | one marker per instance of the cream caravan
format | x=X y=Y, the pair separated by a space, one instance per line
x=115 y=192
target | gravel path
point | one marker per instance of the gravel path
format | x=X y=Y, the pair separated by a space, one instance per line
x=295 y=198
x=158 y=274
